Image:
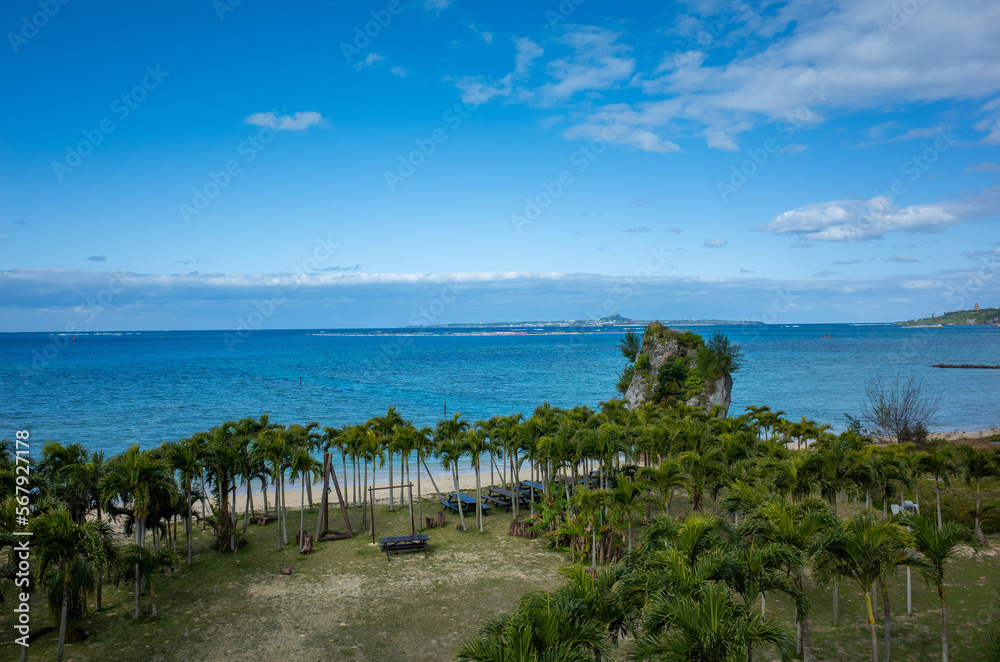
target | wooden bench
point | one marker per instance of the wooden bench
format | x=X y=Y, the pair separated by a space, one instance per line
x=403 y=544
x=498 y=502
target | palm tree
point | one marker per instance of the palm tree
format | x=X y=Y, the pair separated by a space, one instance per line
x=626 y=502
x=305 y=467
x=475 y=443
x=708 y=627
x=58 y=542
x=702 y=468
x=862 y=549
x=976 y=466
x=940 y=463
x=134 y=477
x=796 y=527
x=151 y=563
x=544 y=626
x=272 y=445
x=936 y=545
x=305 y=436
x=450 y=449
x=590 y=503
x=664 y=479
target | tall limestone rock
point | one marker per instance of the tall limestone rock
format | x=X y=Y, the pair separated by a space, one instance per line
x=666 y=367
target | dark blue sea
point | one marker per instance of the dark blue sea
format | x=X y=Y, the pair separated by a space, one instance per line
x=113 y=389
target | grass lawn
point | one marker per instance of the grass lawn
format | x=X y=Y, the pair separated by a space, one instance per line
x=346 y=602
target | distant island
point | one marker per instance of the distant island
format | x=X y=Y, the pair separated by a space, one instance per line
x=610 y=321
x=975 y=316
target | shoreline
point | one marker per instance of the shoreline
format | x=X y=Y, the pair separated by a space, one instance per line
x=466 y=481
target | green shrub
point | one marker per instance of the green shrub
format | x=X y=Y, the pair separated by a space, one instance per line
x=625 y=379
x=642 y=364
x=693 y=387
x=690 y=340
x=670 y=379
x=717 y=358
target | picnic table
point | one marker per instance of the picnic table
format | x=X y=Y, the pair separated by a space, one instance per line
x=404 y=543
x=526 y=486
x=468 y=503
x=504 y=498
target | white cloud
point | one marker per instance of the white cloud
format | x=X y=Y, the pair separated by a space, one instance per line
x=485 y=34
x=526 y=51
x=793 y=148
x=399 y=71
x=858 y=220
x=598 y=63
x=924 y=284
x=369 y=60
x=804 y=62
x=436 y=5
x=297 y=122
x=912 y=134
x=715 y=243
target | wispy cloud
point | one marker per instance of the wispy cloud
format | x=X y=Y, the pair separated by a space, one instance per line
x=906 y=259
x=637 y=203
x=368 y=61
x=98 y=258
x=297 y=122
x=715 y=243
x=486 y=35
x=399 y=71
x=436 y=5
x=638 y=230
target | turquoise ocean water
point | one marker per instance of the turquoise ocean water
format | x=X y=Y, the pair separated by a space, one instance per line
x=110 y=390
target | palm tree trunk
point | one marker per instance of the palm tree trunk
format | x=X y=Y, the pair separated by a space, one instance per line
x=979 y=526
x=307 y=485
x=364 y=498
x=479 y=499
x=871 y=625
x=247 y=508
x=458 y=495
x=944 y=625
x=284 y=508
x=277 y=506
x=204 y=507
x=62 y=616
x=302 y=520
x=138 y=572
x=888 y=620
x=187 y=528
x=836 y=603
x=152 y=598
x=420 y=497
x=392 y=499
x=806 y=652
x=100 y=571
x=937 y=491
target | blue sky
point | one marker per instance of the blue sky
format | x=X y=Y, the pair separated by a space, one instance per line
x=182 y=165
